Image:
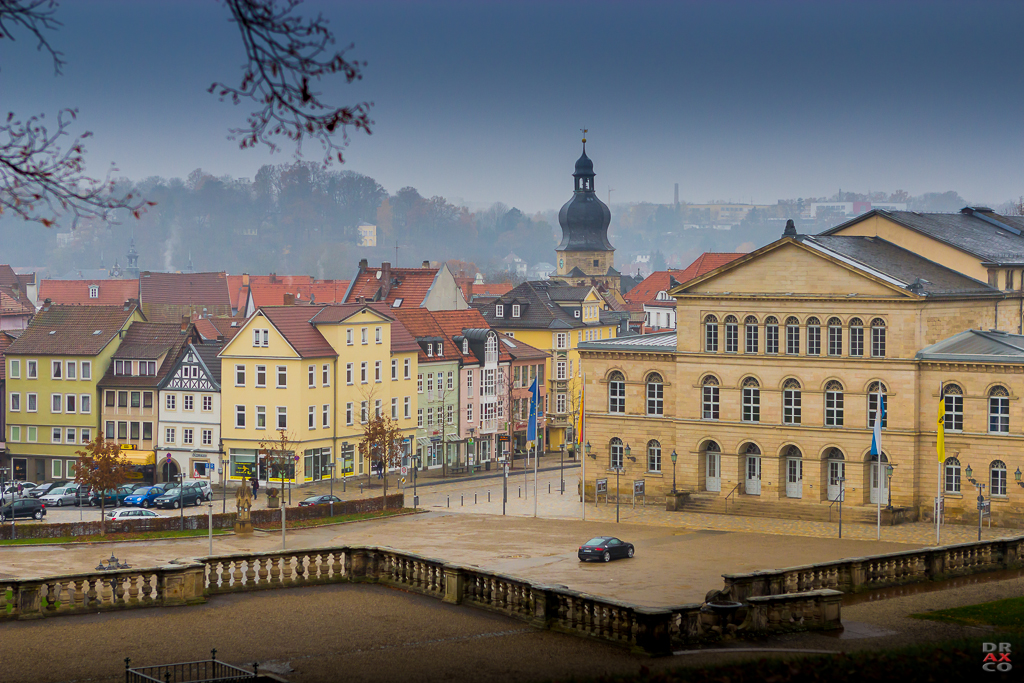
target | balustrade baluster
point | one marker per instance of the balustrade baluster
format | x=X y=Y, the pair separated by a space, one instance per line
x=133 y=589
x=275 y=571
x=338 y=569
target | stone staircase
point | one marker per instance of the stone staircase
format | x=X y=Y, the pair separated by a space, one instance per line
x=750 y=506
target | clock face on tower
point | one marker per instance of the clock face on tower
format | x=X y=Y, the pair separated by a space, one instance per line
x=561 y=263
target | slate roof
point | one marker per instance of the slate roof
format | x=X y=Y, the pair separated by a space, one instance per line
x=660 y=341
x=294 y=323
x=970 y=230
x=148 y=341
x=209 y=353
x=412 y=287
x=520 y=350
x=111 y=292
x=184 y=289
x=539 y=310
x=565 y=293
x=989 y=346
x=899 y=264
x=77 y=330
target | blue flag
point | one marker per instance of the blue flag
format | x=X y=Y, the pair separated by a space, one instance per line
x=531 y=426
x=876 y=432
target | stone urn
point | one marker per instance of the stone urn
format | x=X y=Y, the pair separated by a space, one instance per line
x=273 y=498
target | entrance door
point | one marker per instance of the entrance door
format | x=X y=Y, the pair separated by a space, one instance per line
x=713 y=478
x=879 y=487
x=794 y=478
x=836 y=471
x=20 y=469
x=753 y=484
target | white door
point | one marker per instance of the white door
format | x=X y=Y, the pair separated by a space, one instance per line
x=753 y=484
x=713 y=478
x=836 y=471
x=794 y=478
x=879 y=488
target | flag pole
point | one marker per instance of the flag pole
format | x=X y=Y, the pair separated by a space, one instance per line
x=535 y=477
x=939 y=448
x=878 y=467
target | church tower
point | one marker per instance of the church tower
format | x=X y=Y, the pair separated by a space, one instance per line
x=585 y=256
x=132 y=270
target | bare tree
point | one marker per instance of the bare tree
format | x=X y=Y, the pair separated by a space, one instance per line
x=279 y=457
x=101 y=468
x=381 y=444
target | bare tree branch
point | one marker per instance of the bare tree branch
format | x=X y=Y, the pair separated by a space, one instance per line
x=285 y=53
x=34 y=16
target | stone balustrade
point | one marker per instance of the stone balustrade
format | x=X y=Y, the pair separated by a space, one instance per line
x=857 y=574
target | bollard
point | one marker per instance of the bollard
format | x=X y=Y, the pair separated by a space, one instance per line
x=462 y=501
x=488 y=496
x=519 y=494
x=474 y=503
x=549 y=487
x=449 y=503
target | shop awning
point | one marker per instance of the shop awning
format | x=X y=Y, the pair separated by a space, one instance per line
x=140 y=457
x=423 y=440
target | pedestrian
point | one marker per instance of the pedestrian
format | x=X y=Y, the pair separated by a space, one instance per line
x=21 y=489
x=255 y=487
x=380 y=470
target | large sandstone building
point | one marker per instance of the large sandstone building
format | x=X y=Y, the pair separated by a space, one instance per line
x=768 y=389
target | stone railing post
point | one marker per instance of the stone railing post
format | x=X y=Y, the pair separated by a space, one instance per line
x=654 y=632
x=858 y=575
x=356 y=560
x=182 y=584
x=29 y=598
x=454 y=584
x=935 y=563
x=831 y=603
x=545 y=606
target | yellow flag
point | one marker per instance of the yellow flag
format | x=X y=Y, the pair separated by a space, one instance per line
x=579 y=425
x=940 y=439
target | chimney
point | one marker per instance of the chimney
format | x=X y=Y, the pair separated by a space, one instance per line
x=185 y=320
x=385 y=279
x=47 y=303
x=273 y=278
x=245 y=279
x=360 y=300
x=289 y=299
x=127 y=304
x=790 y=230
x=363 y=264
x=426 y=264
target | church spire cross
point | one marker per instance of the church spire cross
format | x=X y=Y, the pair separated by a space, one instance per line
x=584 y=139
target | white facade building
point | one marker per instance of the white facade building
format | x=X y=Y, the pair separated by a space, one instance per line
x=188 y=422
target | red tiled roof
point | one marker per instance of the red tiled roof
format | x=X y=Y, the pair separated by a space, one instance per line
x=660 y=280
x=183 y=289
x=212 y=328
x=294 y=323
x=413 y=285
x=14 y=304
x=111 y=292
x=401 y=340
x=322 y=292
x=470 y=289
x=420 y=322
x=5 y=341
x=76 y=330
x=337 y=313
x=522 y=350
x=454 y=322
x=7 y=276
x=148 y=341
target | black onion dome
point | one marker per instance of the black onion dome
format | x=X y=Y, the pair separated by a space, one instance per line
x=584 y=218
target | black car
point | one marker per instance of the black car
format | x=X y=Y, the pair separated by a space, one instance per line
x=319 y=500
x=23 y=507
x=43 y=489
x=605 y=548
x=180 y=496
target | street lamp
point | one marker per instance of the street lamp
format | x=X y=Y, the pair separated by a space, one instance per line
x=981 y=495
x=618 y=471
x=1016 y=476
x=628 y=451
x=889 y=470
x=589 y=451
x=561 y=460
x=330 y=466
x=674 y=456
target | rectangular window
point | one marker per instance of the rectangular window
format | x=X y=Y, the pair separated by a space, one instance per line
x=430 y=387
x=207 y=404
x=325 y=379
x=792 y=339
x=282 y=377
x=791 y=407
x=834 y=409
x=559 y=403
x=122 y=431
x=147 y=399
x=469 y=413
x=999 y=414
x=33 y=369
x=419 y=417
x=873 y=408
x=406 y=406
x=239 y=375
x=709 y=402
x=71 y=370
x=326 y=416
x=207 y=437
x=170 y=401
x=69 y=403
x=56 y=372
x=362 y=372
x=261 y=417
x=364 y=335
x=515 y=310
x=771 y=338
x=378 y=335
x=31 y=402
x=711 y=336
x=469 y=382
x=15 y=433
x=430 y=417
x=835 y=340
x=856 y=340
x=169 y=435
x=348 y=336
x=15 y=402
x=87 y=369
x=954 y=412
x=449 y=414
x=419 y=383
x=877 y=341
x=560 y=369
x=407 y=365
x=261 y=376
x=362 y=411
x=813 y=340
x=136 y=399
x=376 y=408
x=85 y=404
x=751 y=404
x=561 y=340
x=311 y=418
x=85 y=435
x=186 y=436
x=732 y=333
x=239 y=417
x=147 y=431
x=394 y=408
x=110 y=429
x=348 y=373
x=69 y=435
x=376 y=371
x=282 y=417
x=55 y=403
x=751 y=338
x=57 y=468
x=312 y=376
x=255 y=337
x=109 y=398
x=348 y=414
x=32 y=434
x=394 y=369
x=15 y=369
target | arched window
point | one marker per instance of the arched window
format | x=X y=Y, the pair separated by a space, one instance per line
x=616 y=393
x=878 y=338
x=999 y=410
x=813 y=336
x=835 y=337
x=792 y=335
x=833 y=404
x=752 y=449
x=997 y=478
x=710 y=334
x=732 y=334
x=874 y=390
x=794 y=452
x=653 y=456
x=951 y=468
x=751 y=334
x=655 y=394
x=791 y=402
x=709 y=398
x=712 y=447
x=835 y=454
x=491 y=350
x=615 y=453
x=771 y=334
x=751 y=400
x=953 y=396
x=856 y=337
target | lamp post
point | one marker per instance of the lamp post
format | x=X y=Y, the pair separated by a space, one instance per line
x=981 y=496
x=842 y=495
x=561 y=476
x=330 y=466
x=889 y=471
x=618 y=471
x=415 y=474
x=294 y=469
x=674 y=456
x=223 y=478
x=181 y=504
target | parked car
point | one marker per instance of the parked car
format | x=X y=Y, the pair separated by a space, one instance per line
x=128 y=514
x=177 y=497
x=319 y=500
x=203 y=484
x=23 y=507
x=144 y=496
x=111 y=498
x=43 y=489
x=605 y=548
x=10 y=490
x=60 y=496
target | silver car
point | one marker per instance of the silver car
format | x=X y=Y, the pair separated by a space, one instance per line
x=10 y=491
x=65 y=495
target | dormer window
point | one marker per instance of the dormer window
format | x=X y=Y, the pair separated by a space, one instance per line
x=430 y=350
x=94 y=292
x=440 y=348
x=499 y=311
x=577 y=312
x=465 y=346
x=515 y=310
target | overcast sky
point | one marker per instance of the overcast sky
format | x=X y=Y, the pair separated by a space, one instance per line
x=483 y=101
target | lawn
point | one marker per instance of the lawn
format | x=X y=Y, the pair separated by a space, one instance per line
x=1007 y=614
x=337 y=519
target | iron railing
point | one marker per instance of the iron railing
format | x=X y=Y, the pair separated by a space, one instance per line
x=204 y=671
x=734 y=489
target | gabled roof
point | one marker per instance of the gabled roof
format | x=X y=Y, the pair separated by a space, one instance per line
x=401 y=340
x=981 y=346
x=208 y=353
x=72 y=330
x=470 y=323
x=15 y=302
x=409 y=284
x=110 y=292
x=149 y=341
x=295 y=325
x=184 y=289
x=664 y=280
x=992 y=237
x=5 y=341
x=210 y=328
x=538 y=310
x=337 y=313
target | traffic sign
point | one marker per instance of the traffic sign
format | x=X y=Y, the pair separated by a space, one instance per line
x=405 y=470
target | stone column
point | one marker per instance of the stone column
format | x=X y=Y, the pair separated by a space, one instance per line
x=454 y=584
x=653 y=634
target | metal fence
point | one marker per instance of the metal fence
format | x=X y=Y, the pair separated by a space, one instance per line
x=205 y=671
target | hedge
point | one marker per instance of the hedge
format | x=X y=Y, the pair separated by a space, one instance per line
x=196 y=522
